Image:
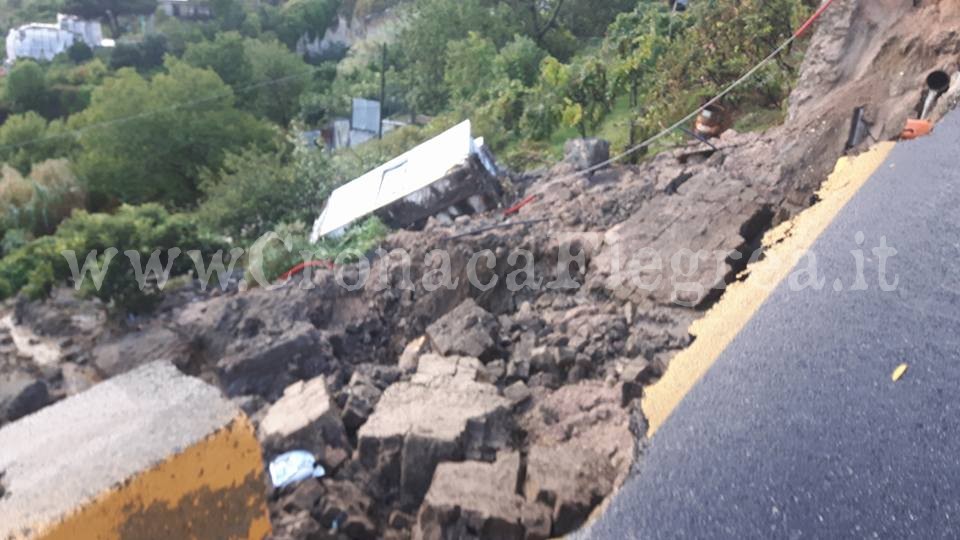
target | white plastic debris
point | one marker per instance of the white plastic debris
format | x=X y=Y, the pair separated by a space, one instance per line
x=294 y=466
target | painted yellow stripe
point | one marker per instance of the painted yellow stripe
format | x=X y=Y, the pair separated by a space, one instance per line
x=213 y=489
x=783 y=247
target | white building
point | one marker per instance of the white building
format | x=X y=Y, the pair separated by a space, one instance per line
x=43 y=41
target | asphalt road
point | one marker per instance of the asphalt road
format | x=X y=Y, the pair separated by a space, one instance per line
x=797 y=430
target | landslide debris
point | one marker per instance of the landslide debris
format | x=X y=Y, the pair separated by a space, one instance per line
x=467 y=412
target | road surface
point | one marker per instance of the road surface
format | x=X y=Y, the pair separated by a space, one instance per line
x=798 y=430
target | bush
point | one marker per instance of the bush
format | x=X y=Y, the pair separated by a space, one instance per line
x=26 y=89
x=28 y=138
x=79 y=52
x=256 y=190
x=38 y=203
x=160 y=156
x=36 y=267
x=277 y=257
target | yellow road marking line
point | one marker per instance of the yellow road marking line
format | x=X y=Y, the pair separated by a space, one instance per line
x=783 y=246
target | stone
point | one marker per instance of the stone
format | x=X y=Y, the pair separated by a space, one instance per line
x=305 y=417
x=411 y=355
x=442 y=414
x=467 y=330
x=635 y=374
x=586 y=153
x=580 y=447
x=400 y=520
x=346 y=508
x=303 y=496
x=77 y=378
x=361 y=400
x=265 y=365
x=476 y=499
x=517 y=393
x=569 y=479
x=138 y=348
x=21 y=394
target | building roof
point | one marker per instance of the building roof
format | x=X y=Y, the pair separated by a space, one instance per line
x=396 y=179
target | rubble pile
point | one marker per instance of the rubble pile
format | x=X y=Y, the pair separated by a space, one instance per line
x=500 y=411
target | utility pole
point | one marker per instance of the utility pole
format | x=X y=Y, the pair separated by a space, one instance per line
x=383 y=87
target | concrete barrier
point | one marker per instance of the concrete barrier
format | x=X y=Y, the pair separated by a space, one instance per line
x=151 y=454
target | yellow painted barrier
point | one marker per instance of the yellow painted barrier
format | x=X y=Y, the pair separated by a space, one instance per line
x=152 y=454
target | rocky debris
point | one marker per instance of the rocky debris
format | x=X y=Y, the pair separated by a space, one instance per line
x=305 y=417
x=442 y=414
x=586 y=153
x=635 y=374
x=480 y=500
x=73 y=324
x=580 y=448
x=266 y=364
x=521 y=371
x=138 y=348
x=20 y=395
x=467 y=330
x=77 y=378
x=346 y=509
x=360 y=396
x=411 y=355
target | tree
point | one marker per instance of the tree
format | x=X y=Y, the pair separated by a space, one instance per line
x=26 y=89
x=543 y=114
x=79 y=52
x=225 y=55
x=148 y=140
x=109 y=10
x=153 y=48
x=588 y=98
x=256 y=190
x=125 y=55
x=469 y=70
x=298 y=18
x=145 y=56
x=520 y=60
x=431 y=26
x=725 y=39
x=229 y=13
x=27 y=138
x=279 y=76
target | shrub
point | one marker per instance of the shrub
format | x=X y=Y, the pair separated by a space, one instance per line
x=38 y=203
x=28 y=138
x=257 y=190
x=277 y=257
x=37 y=266
x=79 y=52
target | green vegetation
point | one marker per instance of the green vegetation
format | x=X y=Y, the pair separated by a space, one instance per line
x=291 y=246
x=132 y=157
x=134 y=232
x=189 y=135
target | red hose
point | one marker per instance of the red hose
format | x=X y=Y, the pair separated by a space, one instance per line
x=516 y=208
x=812 y=19
x=300 y=268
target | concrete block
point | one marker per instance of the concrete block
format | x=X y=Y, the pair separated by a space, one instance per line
x=151 y=454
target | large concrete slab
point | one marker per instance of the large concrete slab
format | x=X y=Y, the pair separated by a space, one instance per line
x=148 y=454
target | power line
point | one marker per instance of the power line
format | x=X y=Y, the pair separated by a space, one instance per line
x=726 y=91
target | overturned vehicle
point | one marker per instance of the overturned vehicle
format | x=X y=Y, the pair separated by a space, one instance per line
x=450 y=175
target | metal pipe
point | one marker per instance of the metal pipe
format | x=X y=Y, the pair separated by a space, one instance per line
x=938 y=82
